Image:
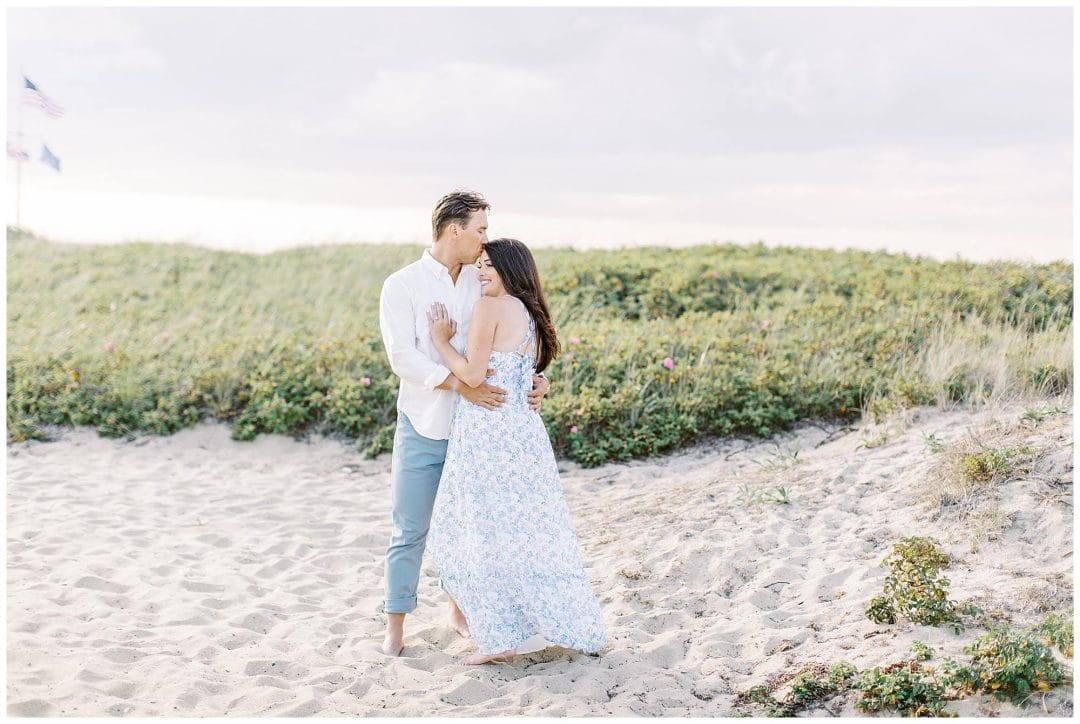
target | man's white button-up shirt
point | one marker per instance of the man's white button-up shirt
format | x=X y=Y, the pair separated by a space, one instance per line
x=407 y=295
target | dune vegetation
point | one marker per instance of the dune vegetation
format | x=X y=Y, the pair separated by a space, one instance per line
x=661 y=347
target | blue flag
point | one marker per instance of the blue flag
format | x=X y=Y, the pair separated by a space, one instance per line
x=48 y=157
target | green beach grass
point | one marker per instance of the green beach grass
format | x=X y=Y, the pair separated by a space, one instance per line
x=661 y=347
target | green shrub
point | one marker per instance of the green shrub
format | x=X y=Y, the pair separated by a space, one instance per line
x=1006 y=663
x=1055 y=631
x=904 y=687
x=922 y=651
x=983 y=466
x=815 y=683
x=154 y=337
x=914 y=588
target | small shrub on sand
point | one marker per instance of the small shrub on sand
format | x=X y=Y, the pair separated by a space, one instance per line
x=1006 y=663
x=914 y=587
x=904 y=686
x=984 y=466
x=922 y=651
x=969 y=472
x=933 y=442
x=1055 y=631
x=1031 y=418
x=757 y=496
x=814 y=683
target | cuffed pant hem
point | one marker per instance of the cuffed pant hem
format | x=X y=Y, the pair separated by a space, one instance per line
x=400 y=605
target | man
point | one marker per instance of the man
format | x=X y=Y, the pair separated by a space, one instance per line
x=428 y=390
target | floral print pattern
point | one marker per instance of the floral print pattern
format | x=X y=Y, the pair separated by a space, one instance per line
x=501 y=536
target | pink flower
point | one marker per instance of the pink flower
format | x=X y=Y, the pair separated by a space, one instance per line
x=72 y=385
x=166 y=335
x=765 y=325
x=682 y=332
x=109 y=346
x=573 y=430
x=365 y=381
x=575 y=340
x=669 y=363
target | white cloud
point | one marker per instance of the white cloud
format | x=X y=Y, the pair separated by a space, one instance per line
x=81 y=44
x=856 y=118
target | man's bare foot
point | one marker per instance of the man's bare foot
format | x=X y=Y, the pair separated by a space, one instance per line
x=395 y=631
x=392 y=645
x=505 y=657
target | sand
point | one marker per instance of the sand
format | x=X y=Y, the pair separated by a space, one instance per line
x=194 y=575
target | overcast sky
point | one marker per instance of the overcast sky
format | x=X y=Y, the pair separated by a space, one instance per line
x=933 y=131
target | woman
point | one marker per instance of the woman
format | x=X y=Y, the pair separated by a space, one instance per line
x=501 y=536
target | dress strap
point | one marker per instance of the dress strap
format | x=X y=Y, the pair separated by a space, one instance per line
x=532 y=326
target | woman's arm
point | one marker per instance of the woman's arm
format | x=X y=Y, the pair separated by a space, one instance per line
x=472 y=369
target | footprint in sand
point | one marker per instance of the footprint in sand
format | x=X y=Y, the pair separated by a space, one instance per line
x=193 y=621
x=207 y=654
x=92 y=676
x=308 y=708
x=234 y=641
x=794 y=539
x=119 y=602
x=659 y=623
x=827 y=585
x=333 y=644
x=100 y=584
x=256 y=622
x=217 y=603
x=188 y=700
x=272 y=682
x=275 y=550
x=31 y=707
x=281 y=669
x=765 y=599
x=123 y=655
x=470 y=692
x=270 y=571
x=215 y=540
x=123 y=689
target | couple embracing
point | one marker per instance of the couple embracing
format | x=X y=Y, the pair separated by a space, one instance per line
x=473 y=474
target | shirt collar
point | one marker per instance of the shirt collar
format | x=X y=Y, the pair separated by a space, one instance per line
x=436 y=267
x=433 y=265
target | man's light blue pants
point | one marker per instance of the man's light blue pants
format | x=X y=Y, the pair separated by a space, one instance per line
x=415 y=469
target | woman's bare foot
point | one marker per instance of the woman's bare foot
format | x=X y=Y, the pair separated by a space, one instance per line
x=457 y=619
x=461 y=626
x=505 y=657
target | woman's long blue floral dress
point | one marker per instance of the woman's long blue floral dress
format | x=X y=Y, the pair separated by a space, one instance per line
x=501 y=536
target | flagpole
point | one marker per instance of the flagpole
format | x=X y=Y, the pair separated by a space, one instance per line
x=18 y=160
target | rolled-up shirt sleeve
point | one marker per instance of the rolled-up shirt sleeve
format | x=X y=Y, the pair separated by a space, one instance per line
x=398 y=324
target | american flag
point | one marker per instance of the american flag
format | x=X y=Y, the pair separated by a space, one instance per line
x=17 y=153
x=42 y=101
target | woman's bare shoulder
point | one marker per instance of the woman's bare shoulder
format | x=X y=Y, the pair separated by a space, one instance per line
x=494 y=306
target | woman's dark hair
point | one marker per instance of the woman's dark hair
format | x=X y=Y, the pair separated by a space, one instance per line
x=517 y=269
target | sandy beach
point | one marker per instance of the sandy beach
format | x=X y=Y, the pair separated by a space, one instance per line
x=194 y=575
